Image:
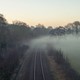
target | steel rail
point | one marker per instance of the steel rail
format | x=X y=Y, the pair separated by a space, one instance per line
x=35 y=55
x=42 y=67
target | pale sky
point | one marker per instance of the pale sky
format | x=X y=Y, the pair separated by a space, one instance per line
x=47 y=12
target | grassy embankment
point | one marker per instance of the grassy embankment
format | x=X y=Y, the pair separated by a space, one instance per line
x=60 y=67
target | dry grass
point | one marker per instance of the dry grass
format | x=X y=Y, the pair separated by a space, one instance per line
x=56 y=70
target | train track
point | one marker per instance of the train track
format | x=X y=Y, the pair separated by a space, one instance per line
x=35 y=67
x=38 y=63
x=42 y=68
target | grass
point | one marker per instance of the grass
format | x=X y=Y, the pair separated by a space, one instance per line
x=61 y=66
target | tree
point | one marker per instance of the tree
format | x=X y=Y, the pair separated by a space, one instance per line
x=76 y=23
x=3 y=21
x=40 y=30
x=20 y=23
x=40 y=25
x=3 y=32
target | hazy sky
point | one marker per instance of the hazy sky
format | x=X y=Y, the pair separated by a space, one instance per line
x=47 y=12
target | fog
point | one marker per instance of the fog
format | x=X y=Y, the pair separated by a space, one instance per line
x=69 y=44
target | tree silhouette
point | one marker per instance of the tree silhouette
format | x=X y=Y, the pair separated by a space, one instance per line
x=76 y=23
x=3 y=21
